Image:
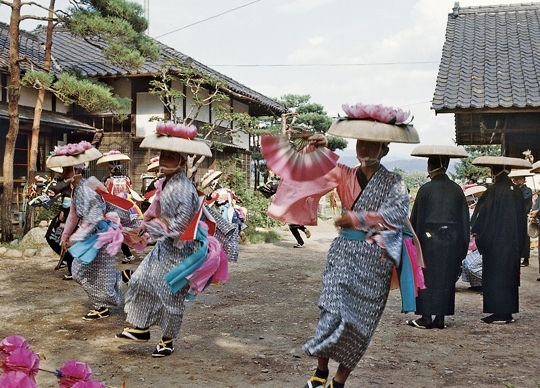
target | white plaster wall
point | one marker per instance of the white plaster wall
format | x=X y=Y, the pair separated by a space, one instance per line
x=147 y=106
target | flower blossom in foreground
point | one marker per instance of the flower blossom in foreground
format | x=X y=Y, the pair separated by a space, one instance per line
x=22 y=360
x=72 y=373
x=11 y=343
x=16 y=379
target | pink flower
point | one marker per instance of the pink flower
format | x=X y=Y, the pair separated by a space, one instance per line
x=154 y=159
x=378 y=112
x=73 y=372
x=11 y=343
x=176 y=130
x=16 y=379
x=89 y=384
x=22 y=360
x=113 y=152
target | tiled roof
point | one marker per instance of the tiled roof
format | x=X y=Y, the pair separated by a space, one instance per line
x=490 y=58
x=30 y=49
x=86 y=56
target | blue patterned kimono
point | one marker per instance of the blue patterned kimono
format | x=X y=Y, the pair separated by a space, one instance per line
x=149 y=300
x=356 y=281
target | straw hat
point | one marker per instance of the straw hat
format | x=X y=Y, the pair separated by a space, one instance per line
x=113 y=156
x=536 y=167
x=474 y=190
x=73 y=154
x=488 y=161
x=209 y=177
x=57 y=169
x=153 y=165
x=370 y=130
x=521 y=173
x=448 y=151
x=176 y=144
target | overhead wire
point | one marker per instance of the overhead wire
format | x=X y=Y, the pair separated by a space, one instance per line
x=209 y=18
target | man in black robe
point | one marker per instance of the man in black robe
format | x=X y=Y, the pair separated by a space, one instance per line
x=440 y=217
x=499 y=224
x=519 y=180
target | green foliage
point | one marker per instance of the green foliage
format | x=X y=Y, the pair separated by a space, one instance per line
x=258 y=237
x=119 y=24
x=89 y=94
x=464 y=169
x=414 y=179
x=336 y=143
x=37 y=79
x=44 y=214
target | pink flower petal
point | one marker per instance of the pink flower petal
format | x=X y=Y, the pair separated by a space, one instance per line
x=73 y=372
x=11 y=343
x=89 y=384
x=16 y=379
x=23 y=360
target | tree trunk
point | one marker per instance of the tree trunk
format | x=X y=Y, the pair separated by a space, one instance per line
x=14 y=94
x=34 y=142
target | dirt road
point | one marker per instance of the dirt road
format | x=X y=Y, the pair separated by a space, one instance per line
x=249 y=332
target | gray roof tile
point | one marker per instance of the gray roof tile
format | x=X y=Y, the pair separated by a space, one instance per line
x=85 y=55
x=490 y=58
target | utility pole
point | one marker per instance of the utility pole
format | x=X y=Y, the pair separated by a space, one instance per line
x=146 y=7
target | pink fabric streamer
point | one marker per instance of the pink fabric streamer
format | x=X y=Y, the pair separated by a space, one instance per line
x=16 y=380
x=113 y=237
x=73 y=372
x=22 y=360
x=200 y=277
x=418 y=274
x=222 y=273
x=10 y=343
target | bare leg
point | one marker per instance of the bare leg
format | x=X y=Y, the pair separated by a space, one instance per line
x=322 y=363
x=342 y=374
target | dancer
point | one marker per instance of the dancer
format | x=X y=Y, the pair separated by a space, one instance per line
x=117 y=183
x=99 y=278
x=294 y=228
x=150 y=300
x=356 y=281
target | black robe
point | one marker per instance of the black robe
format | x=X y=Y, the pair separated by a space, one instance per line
x=500 y=224
x=440 y=217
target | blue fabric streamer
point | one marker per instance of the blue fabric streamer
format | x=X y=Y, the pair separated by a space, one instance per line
x=406 y=278
x=176 y=278
x=85 y=250
x=405 y=273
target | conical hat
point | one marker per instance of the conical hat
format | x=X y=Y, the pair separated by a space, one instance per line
x=209 y=177
x=488 y=161
x=112 y=156
x=57 y=169
x=439 y=150
x=521 y=173
x=153 y=165
x=176 y=144
x=474 y=190
x=536 y=167
x=370 y=130
x=73 y=160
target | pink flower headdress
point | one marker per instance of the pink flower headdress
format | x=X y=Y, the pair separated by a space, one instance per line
x=168 y=128
x=72 y=149
x=380 y=113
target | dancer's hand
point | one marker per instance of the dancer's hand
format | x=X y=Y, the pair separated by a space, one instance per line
x=318 y=140
x=345 y=221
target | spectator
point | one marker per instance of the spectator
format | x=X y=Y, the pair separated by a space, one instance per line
x=499 y=225
x=440 y=218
